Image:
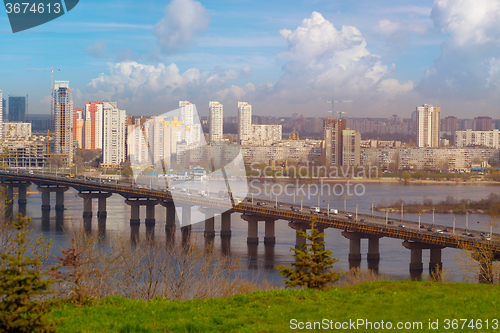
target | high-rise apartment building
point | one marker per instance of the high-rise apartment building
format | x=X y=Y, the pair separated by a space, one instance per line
x=469 y=138
x=450 y=125
x=17 y=108
x=428 y=123
x=93 y=125
x=78 y=123
x=63 y=112
x=244 y=122
x=113 y=134
x=351 y=147
x=483 y=124
x=267 y=134
x=215 y=121
x=332 y=140
x=187 y=112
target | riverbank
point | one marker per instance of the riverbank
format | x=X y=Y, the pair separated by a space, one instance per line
x=288 y=310
x=374 y=181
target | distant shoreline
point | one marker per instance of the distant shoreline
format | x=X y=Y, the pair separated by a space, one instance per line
x=377 y=181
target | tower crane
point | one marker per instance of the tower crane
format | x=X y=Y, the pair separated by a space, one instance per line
x=333 y=103
x=51 y=69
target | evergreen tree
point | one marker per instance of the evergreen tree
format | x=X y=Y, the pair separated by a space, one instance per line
x=313 y=267
x=23 y=285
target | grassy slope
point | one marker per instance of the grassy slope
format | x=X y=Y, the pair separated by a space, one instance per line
x=271 y=311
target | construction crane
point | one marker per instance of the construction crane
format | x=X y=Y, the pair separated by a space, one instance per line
x=333 y=103
x=51 y=69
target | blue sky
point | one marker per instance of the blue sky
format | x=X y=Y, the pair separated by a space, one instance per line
x=281 y=56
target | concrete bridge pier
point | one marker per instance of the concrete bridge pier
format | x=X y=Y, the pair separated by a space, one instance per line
x=87 y=204
x=209 y=226
x=253 y=228
x=150 y=212
x=60 y=200
x=9 y=198
x=269 y=236
x=299 y=240
x=225 y=224
x=416 y=265
x=354 y=245
x=135 y=206
x=45 y=200
x=59 y=220
x=21 y=196
x=170 y=221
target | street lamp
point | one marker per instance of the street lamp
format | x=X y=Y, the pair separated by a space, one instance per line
x=276 y=201
x=319 y=196
x=402 y=206
x=301 y=204
x=467 y=221
x=294 y=190
x=433 y=209
x=345 y=204
x=372 y=207
x=454 y=226
x=356 y=214
x=328 y=209
x=252 y=197
x=419 y=221
x=386 y=216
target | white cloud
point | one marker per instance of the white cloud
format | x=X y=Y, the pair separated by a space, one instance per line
x=183 y=20
x=386 y=27
x=467 y=69
x=147 y=89
x=321 y=60
x=468 y=21
x=99 y=49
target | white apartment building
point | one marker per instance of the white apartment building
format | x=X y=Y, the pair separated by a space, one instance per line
x=113 y=139
x=427 y=158
x=63 y=112
x=244 y=122
x=469 y=138
x=16 y=129
x=215 y=121
x=266 y=134
x=428 y=123
x=156 y=144
x=187 y=112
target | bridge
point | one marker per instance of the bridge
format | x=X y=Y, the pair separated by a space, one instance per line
x=416 y=237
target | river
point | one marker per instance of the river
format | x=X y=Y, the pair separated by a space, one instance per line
x=394 y=258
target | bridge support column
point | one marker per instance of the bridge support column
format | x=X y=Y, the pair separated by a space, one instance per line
x=135 y=209
x=46 y=200
x=87 y=206
x=415 y=255
x=150 y=212
x=354 y=245
x=21 y=197
x=225 y=222
x=170 y=221
x=253 y=228
x=101 y=208
x=209 y=226
x=269 y=237
x=186 y=216
x=59 y=200
x=9 y=199
x=299 y=240
x=435 y=262
x=373 y=249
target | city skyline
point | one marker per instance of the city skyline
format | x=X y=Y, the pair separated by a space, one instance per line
x=386 y=56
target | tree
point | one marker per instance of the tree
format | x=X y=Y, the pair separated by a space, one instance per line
x=23 y=284
x=406 y=176
x=313 y=266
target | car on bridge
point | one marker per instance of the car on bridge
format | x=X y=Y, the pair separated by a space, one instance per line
x=362 y=220
x=401 y=225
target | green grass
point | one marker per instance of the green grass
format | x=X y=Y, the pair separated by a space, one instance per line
x=272 y=311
